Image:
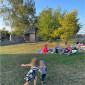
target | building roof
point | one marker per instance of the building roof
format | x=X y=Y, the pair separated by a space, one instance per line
x=30 y=30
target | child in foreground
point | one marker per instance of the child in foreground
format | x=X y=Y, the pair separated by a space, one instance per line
x=32 y=73
x=42 y=70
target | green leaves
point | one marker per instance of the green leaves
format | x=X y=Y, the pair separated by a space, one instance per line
x=18 y=13
x=70 y=24
x=16 y=32
x=45 y=24
x=48 y=22
x=4 y=33
x=53 y=24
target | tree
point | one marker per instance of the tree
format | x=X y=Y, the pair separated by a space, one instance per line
x=16 y=32
x=4 y=33
x=47 y=22
x=69 y=26
x=54 y=24
x=18 y=13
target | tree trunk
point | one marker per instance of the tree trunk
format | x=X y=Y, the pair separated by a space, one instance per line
x=65 y=42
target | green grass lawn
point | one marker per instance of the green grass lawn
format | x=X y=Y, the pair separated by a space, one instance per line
x=27 y=47
x=62 y=69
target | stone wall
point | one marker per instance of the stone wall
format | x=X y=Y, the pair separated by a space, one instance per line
x=32 y=37
x=16 y=38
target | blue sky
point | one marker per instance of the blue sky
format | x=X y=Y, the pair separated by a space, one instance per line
x=64 y=4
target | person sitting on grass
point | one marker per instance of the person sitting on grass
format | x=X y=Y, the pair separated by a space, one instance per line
x=58 y=48
x=43 y=70
x=63 y=51
x=45 y=50
x=84 y=44
x=67 y=50
x=79 y=45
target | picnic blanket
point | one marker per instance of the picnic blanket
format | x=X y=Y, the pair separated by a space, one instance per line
x=51 y=51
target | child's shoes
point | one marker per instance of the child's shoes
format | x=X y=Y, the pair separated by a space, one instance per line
x=42 y=82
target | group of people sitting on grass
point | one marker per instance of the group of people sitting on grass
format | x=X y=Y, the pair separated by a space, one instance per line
x=58 y=49
x=35 y=65
x=80 y=46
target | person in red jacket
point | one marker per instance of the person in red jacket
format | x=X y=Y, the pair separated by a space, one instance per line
x=69 y=49
x=79 y=45
x=45 y=50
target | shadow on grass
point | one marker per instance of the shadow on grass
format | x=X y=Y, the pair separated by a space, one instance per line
x=62 y=69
